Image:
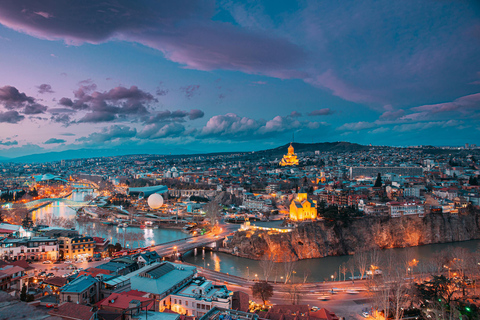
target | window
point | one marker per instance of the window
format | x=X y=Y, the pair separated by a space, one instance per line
x=186 y=303
x=175 y=301
x=179 y=301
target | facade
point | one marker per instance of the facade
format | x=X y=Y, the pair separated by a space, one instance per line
x=303 y=208
x=35 y=248
x=76 y=247
x=199 y=296
x=290 y=159
x=398 y=209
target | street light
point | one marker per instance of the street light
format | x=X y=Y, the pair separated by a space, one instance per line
x=332 y=277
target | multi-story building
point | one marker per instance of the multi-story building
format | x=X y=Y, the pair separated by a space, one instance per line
x=373 y=171
x=398 y=209
x=76 y=248
x=199 y=296
x=82 y=290
x=35 y=248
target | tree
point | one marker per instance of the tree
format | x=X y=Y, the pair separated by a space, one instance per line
x=351 y=268
x=262 y=290
x=23 y=293
x=212 y=212
x=361 y=261
x=378 y=182
x=293 y=293
x=267 y=264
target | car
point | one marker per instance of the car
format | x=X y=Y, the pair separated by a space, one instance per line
x=68 y=261
x=50 y=275
x=365 y=314
x=314 y=309
x=98 y=259
x=47 y=262
x=41 y=274
x=90 y=260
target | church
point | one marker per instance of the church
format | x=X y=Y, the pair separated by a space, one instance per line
x=290 y=158
x=303 y=208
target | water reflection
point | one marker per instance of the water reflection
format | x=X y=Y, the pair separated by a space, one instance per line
x=315 y=270
x=131 y=237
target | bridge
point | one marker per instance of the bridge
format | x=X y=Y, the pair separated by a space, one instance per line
x=35 y=203
x=175 y=249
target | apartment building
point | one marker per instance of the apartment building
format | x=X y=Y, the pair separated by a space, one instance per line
x=33 y=248
x=78 y=248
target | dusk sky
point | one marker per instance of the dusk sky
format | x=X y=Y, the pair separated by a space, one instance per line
x=209 y=76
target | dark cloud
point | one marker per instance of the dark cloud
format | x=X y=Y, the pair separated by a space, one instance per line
x=34 y=108
x=67 y=102
x=11 y=98
x=161 y=91
x=108 y=134
x=190 y=90
x=295 y=114
x=54 y=141
x=62 y=118
x=109 y=105
x=11 y=117
x=45 y=88
x=174 y=116
x=9 y=143
x=321 y=112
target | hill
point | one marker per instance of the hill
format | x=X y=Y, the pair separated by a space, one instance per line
x=339 y=146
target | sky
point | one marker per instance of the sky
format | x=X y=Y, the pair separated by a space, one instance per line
x=191 y=76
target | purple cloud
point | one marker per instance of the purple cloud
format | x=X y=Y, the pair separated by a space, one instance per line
x=11 y=117
x=98 y=116
x=295 y=114
x=190 y=90
x=356 y=126
x=45 y=88
x=173 y=116
x=34 y=108
x=321 y=112
x=11 y=98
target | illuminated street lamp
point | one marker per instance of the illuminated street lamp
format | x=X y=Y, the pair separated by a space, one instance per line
x=332 y=277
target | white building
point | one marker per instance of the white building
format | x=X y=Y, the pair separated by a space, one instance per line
x=199 y=296
x=36 y=248
x=398 y=209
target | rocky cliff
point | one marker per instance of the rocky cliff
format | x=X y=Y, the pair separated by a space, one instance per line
x=325 y=238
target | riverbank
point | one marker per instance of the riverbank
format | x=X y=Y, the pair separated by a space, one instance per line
x=326 y=238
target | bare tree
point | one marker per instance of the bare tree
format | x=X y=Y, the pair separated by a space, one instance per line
x=288 y=266
x=267 y=264
x=343 y=270
x=351 y=268
x=212 y=212
x=293 y=294
x=361 y=261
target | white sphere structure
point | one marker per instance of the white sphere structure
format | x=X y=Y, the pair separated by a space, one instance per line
x=155 y=201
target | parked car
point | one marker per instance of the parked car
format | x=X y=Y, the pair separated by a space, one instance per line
x=68 y=261
x=47 y=262
x=50 y=275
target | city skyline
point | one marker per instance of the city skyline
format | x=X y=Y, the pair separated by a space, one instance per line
x=228 y=76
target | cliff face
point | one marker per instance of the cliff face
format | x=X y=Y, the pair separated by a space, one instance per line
x=322 y=238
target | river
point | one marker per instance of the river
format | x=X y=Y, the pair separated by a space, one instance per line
x=316 y=270
x=146 y=236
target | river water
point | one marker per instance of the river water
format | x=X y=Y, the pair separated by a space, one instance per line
x=315 y=270
x=146 y=237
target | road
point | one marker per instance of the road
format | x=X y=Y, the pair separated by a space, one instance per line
x=348 y=299
x=61 y=268
x=187 y=244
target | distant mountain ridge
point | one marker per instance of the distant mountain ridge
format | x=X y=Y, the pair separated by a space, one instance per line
x=340 y=146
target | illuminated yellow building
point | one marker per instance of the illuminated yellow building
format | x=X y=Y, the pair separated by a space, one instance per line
x=290 y=158
x=303 y=208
